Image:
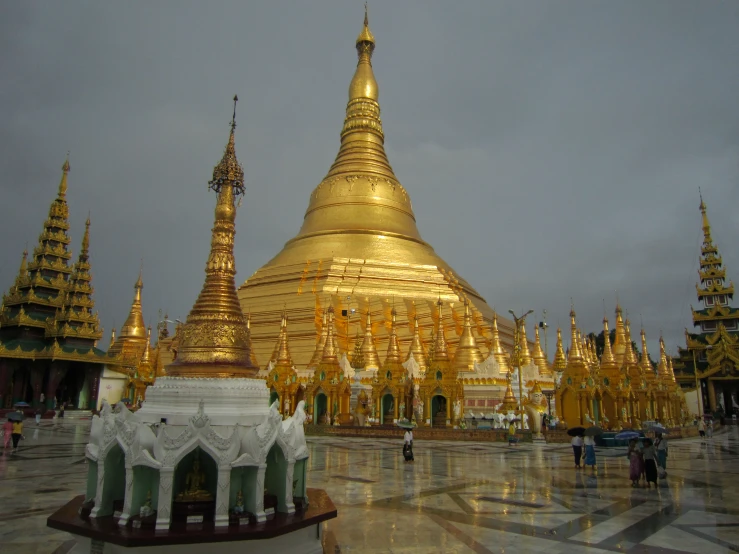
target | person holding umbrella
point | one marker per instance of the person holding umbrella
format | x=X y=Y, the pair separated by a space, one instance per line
x=636 y=463
x=577 y=450
x=650 y=462
x=660 y=444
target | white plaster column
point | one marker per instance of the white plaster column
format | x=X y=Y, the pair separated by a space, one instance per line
x=289 y=505
x=222 y=496
x=164 y=506
x=259 y=492
x=96 y=510
x=128 y=498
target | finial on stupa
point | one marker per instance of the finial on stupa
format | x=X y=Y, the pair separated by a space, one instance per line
x=440 y=350
x=467 y=353
x=86 y=239
x=365 y=40
x=63 y=182
x=369 y=351
x=560 y=360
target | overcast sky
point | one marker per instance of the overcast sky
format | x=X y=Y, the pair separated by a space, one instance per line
x=552 y=149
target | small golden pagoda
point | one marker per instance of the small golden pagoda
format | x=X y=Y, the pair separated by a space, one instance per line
x=358 y=246
x=560 y=360
x=48 y=330
x=328 y=393
x=496 y=348
x=214 y=340
x=370 y=358
x=441 y=391
x=416 y=349
x=467 y=353
x=539 y=358
x=282 y=380
x=392 y=387
x=575 y=397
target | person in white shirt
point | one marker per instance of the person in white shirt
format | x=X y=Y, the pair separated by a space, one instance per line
x=577 y=450
x=408 y=445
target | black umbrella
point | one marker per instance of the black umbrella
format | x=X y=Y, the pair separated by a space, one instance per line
x=576 y=431
x=15 y=416
x=593 y=431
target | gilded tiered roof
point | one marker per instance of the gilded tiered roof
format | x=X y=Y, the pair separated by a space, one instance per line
x=48 y=312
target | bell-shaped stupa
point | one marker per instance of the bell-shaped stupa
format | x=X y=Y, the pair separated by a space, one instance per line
x=358 y=247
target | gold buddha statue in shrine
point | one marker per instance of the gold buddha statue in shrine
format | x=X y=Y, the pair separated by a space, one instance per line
x=194 y=485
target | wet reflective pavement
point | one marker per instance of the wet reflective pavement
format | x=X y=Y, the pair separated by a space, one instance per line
x=456 y=497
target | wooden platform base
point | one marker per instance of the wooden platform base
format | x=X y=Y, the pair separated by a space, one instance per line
x=287 y=534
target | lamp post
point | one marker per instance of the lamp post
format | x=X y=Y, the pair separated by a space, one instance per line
x=519 y=321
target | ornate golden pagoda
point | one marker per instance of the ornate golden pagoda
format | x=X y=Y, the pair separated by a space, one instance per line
x=539 y=357
x=328 y=392
x=467 y=353
x=282 y=380
x=359 y=239
x=509 y=404
x=560 y=360
x=214 y=341
x=130 y=343
x=440 y=389
x=497 y=349
x=392 y=388
x=48 y=331
x=710 y=357
x=416 y=349
x=369 y=350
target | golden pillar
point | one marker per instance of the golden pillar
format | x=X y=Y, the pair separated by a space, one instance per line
x=711 y=395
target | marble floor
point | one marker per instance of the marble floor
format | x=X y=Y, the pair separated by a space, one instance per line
x=458 y=497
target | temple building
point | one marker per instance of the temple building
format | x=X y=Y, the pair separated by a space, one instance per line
x=359 y=251
x=710 y=358
x=48 y=330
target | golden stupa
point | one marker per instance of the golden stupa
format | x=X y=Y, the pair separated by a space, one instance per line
x=214 y=340
x=359 y=250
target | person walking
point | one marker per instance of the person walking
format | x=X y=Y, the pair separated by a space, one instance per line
x=635 y=463
x=709 y=429
x=577 y=450
x=17 y=433
x=7 y=432
x=408 y=445
x=590 y=452
x=660 y=444
x=702 y=429
x=650 y=462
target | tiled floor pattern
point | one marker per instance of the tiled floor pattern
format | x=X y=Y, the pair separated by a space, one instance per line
x=456 y=498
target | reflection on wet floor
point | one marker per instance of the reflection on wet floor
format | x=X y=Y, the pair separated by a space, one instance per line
x=456 y=497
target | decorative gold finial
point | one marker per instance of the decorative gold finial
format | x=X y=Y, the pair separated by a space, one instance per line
x=229 y=171
x=365 y=40
x=86 y=238
x=63 y=182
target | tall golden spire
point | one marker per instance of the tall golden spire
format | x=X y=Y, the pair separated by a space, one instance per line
x=525 y=352
x=283 y=351
x=467 y=353
x=416 y=349
x=134 y=325
x=86 y=240
x=560 y=361
x=329 y=349
x=539 y=357
x=361 y=187
x=629 y=357
x=663 y=370
x=145 y=356
x=496 y=349
x=619 y=343
x=393 y=349
x=214 y=338
x=646 y=364
x=706 y=225
x=23 y=270
x=318 y=352
x=63 y=182
x=369 y=351
x=670 y=369
x=440 y=351
x=575 y=352
x=606 y=359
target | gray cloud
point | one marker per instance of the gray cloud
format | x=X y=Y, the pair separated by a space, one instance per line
x=560 y=143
